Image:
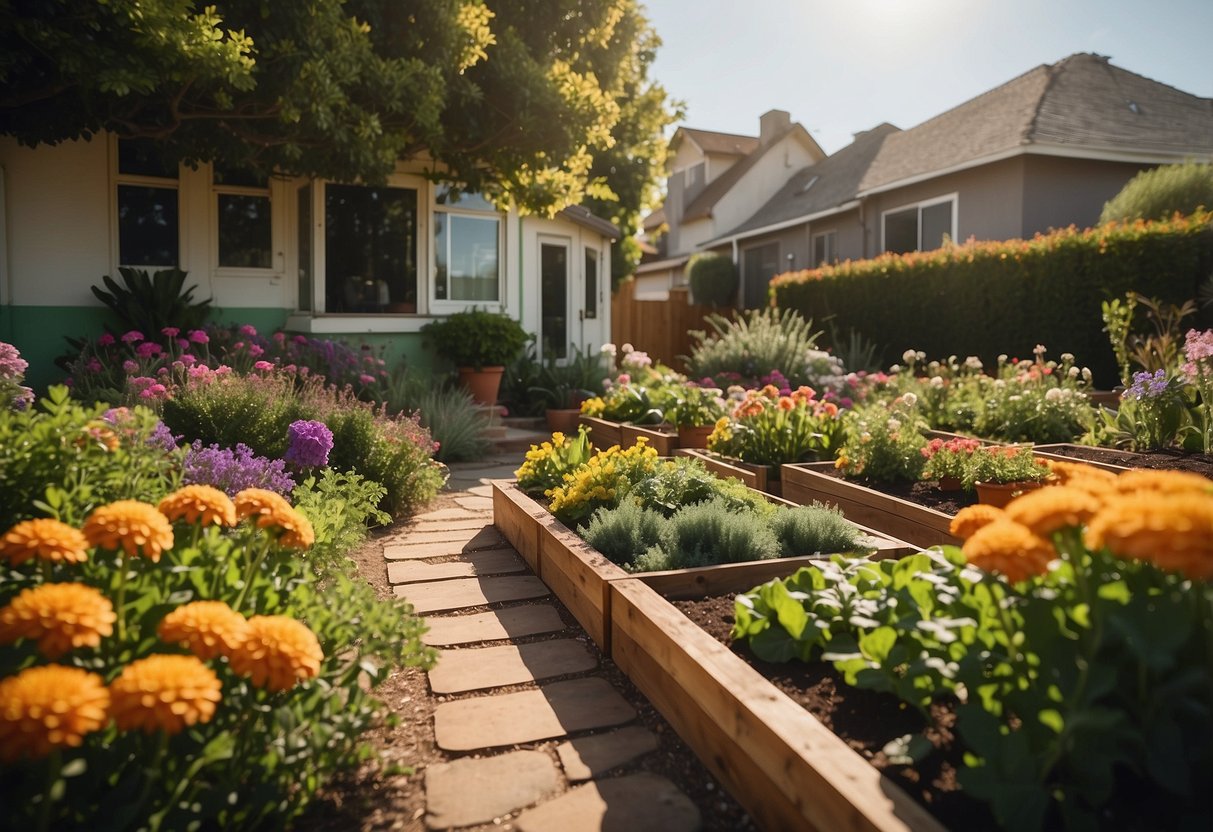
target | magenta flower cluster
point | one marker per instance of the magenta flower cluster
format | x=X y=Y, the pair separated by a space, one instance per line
x=310 y=443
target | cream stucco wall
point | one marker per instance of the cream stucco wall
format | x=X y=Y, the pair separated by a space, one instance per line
x=760 y=183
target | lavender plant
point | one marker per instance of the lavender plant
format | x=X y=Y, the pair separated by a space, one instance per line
x=233 y=470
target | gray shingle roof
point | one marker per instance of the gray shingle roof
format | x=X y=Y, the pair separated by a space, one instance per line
x=1082 y=101
x=710 y=141
x=582 y=216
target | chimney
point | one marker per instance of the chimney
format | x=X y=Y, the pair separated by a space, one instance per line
x=771 y=124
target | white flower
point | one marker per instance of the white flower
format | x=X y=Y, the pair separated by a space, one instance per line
x=896 y=368
x=1073 y=372
x=1067 y=357
x=608 y=349
x=893 y=425
x=937 y=381
x=1086 y=374
x=999 y=384
x=1040 y=349
x=973 y=362
x=627 y=348
x=909 y=399
x=908 y=356
x=1055 y=394
x=1002 y=359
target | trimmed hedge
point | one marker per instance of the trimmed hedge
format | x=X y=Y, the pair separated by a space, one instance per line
x=987 y=298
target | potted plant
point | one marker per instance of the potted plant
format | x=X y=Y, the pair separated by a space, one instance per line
x=479 y=343
x=946 y=461
x=563 y=387
x=694 y=412
x=1001 y=472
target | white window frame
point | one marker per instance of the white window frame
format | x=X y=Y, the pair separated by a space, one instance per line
x=588 y=251
x=118 y=179
x=953 y=198
x=831 y=238
x=273 y=191
x=447 y=306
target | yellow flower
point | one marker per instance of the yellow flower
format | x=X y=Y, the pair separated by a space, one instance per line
x=46 y=539
x=968 y=520
x=1049 y=509
x=49 y=707
x=205 y=628
x=1173 y=531
x=165 y=693
x=272 y=511
x=136 y=527
x=277 y=651
x=60 y=616
x=1010 y=549
x=1163 y=482
x=199 y=502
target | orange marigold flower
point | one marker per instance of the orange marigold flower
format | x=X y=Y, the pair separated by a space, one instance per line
x=205 y=628
x=49 y=707
x=968 y=520
x=165 y=693
x=60 y=616
x=1163 y=482
x=1174 y=531
x=1010 y=549
x=297 y=531
x=199 y=502
x=1046 y=510
x=46 y=539
x=136 y=527
x=1066 y=472
x=259 y=502
x=277 y=652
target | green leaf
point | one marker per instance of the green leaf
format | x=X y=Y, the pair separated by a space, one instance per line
x=876 y=644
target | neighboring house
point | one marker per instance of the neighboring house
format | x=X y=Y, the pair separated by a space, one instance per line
x=717 y=180
x=371 y=264
x=1045 y=150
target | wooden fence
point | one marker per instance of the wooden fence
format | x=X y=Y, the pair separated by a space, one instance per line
x=659 y=327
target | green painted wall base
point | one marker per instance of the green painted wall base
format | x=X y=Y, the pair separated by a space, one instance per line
x=40 y=333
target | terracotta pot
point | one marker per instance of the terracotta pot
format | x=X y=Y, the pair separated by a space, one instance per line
x=998 y=494
x=483 y=384
x=563 y=420
x=949 y=484
x=694 y=437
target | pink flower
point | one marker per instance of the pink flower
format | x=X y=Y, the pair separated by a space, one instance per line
x=132 y=337
x=199 y=337
x=170 y=332
x=624 y=378
x=239 y=345
x=249 y=330
x=300 y=339
x=365 y=379
x=178 y=365
x=105 y=340
x=130 y=366
x=279 y=337
x=290 y=368
x=188 y=360
x=183 y=343
x=223 y=370
x=147 y=349
x=154 y=391
x=94 y=366
x=263 y=365
x=255 y=350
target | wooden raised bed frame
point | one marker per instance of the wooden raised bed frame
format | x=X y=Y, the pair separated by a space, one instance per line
x=764 y=478
x=805 y=483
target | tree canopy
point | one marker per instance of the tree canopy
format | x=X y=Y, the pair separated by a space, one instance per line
x=544 y=103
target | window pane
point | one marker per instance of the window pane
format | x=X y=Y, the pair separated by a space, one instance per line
x=236 y=177
x=936 y=222
x=901 y=231
x=466 y=201
x=244 y=232
x=139 y=157
x=147 y=226
x=472 y=268
x=370 y=249
x=554 y=299
x=305 y=248
x=591 y=283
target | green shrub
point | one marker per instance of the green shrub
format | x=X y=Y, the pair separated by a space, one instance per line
x=683 y=481
x=713 y=279
x=476 y=338
x=340 y=507
x=808 y=530
x=255 y=409
x=991 y=298
x=624 y=533
x=753 y=345
x=1158 y=193
x=708 y=533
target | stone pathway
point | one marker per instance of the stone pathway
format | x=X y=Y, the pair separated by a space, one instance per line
x=495 y=627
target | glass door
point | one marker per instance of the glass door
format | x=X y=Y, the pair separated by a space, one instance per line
x=554 y=297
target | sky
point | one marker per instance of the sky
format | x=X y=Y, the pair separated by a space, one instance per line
x=844 y=66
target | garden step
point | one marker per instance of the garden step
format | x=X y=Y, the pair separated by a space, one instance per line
x=590 y=757
x=438 y=549
x=447 y=514
x=512 y=622
x=441 y=596
x=470 y=565
x=474 y=791
x=474 y=503
x=483 y=536
x=637 y=803
x=471 y=522
x=460 y=671
x=554 y=710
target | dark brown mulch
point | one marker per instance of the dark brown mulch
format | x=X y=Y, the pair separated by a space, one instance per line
x=865 y=720
x=1172 y=459
x=923 y=493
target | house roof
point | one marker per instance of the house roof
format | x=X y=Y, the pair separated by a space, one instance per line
x=826 y=185
x=581 y=215
x=710 y=141
x=1080 y=105
x=655 y=219
x=701 y=206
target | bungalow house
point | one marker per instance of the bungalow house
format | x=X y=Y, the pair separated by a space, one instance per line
x=717 y=180
x=373 y=264
x=1044 y=150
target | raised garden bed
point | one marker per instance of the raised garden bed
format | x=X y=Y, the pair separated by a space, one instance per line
x=1116 y=460
x=580 y=575
x=603 y=432
x=778 y=760
x=764 y=478
x=808 y=482
x=662 y=437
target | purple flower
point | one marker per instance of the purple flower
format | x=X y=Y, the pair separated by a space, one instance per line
x=233 y=471
x=132 y=337
x=105 y=340
x=130 y=366
x=23 y=398
x=12 y=365
x=1147 y=385
x=310 y=443
x=162 y=437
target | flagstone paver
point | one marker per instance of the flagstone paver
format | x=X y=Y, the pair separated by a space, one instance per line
x=511 y=622
x=590 y=757
x=477 y=521
x=481 y=490
x=473 y=503
x=474 y=791
x=440 y=596
x=484 y=534
x=637 y=803
x=448 y=514
x=470 y=565
x=436 y=549
x=554 y=710
x=480 y=668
